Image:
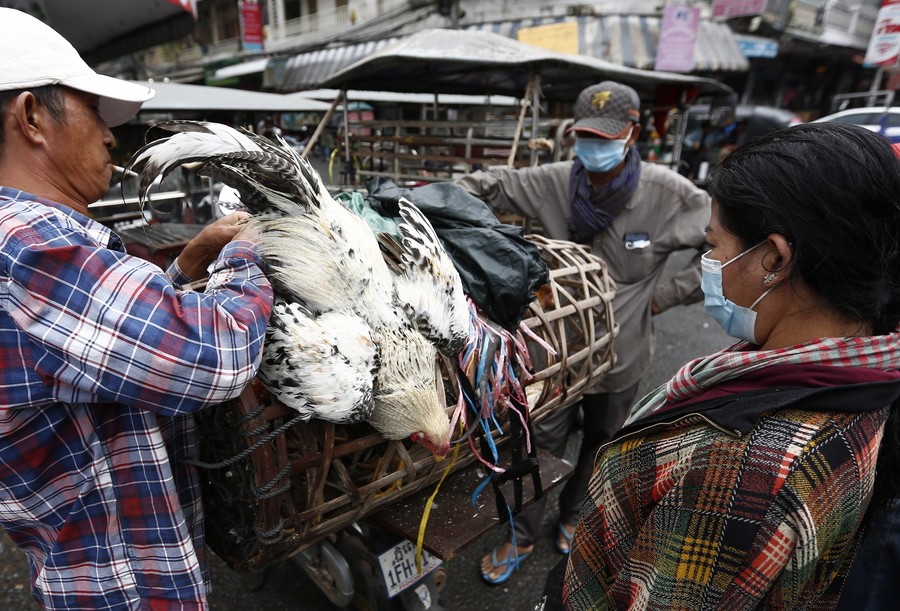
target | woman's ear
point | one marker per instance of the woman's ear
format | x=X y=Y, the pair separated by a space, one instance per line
x=779 y=254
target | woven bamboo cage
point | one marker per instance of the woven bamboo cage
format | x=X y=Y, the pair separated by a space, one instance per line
x=274 y=485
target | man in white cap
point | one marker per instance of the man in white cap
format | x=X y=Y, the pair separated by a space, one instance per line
x=633 y=215
x=103 y=360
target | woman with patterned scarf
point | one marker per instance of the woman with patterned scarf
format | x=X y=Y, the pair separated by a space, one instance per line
x=745 y=482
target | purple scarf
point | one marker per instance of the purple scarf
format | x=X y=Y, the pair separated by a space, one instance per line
x=593 y=211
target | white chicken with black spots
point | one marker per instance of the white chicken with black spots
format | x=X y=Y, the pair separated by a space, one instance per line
x=351 y=337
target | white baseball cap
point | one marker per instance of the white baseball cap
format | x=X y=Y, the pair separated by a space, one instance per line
x=33 y=55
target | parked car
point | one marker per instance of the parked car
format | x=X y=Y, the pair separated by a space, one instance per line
x=713 y=132
x=881 y=119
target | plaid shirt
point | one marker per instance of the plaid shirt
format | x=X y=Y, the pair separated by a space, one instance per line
x=687 y=516
x=103 y=364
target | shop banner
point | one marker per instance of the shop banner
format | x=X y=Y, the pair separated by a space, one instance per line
x=677 y=36
x=251 y=25
x=737 y=8
x=884 y=45
x=755 y=46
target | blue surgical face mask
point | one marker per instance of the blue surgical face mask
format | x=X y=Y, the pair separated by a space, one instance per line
x=599 y=154
x=739 y=322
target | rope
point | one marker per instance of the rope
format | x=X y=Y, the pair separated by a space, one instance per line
x=247 y=452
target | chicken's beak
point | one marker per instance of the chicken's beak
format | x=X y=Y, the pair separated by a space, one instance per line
x=438 y=450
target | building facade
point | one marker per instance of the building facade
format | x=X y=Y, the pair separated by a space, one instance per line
x=790 y=53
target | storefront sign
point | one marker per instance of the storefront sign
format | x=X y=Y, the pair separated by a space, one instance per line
x=755 y=46
x=561 y=37
x=884 y=45
x=677 y=36
x=251 y=25
x=737 y=8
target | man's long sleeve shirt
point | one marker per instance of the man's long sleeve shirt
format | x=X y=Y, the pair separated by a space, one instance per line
x=103 y=361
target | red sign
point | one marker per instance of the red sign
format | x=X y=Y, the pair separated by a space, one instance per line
x=884 y=45
x=736 y=8
x=251 y=25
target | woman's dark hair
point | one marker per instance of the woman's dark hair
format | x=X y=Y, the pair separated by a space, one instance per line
x=833 y=190
x=49 y=96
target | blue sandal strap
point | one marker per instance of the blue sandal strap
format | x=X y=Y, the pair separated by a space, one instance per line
x=512 y=563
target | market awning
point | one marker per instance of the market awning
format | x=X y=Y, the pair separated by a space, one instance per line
x=255 y=66
x=308 y=70
x=631 y=40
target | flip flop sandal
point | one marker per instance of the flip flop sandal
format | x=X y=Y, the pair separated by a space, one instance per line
x=564 y=534
x=512 y=562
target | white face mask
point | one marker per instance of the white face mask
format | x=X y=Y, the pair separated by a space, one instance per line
x=600 y=155
x=739 y=322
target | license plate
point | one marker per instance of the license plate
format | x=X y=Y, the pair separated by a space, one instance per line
x=398 y=567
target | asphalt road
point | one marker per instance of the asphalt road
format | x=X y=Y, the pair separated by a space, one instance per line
x=682 y=333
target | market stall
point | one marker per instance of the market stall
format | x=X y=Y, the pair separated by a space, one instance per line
x=482 y=63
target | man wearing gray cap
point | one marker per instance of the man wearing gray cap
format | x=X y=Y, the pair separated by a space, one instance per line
x=634 y=215
x=103 y=359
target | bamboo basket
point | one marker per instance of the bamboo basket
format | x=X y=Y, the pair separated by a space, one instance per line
x=274 y=485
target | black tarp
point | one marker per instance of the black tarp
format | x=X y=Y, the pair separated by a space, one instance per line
x=500 y=269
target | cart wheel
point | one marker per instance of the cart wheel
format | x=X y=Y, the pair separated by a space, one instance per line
x=440 y=578
x=370 y=593
x=329 y=570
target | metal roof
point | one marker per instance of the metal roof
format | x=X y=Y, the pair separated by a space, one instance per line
x=309 y=70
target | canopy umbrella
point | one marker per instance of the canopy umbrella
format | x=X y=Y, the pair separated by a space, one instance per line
x=484 y=63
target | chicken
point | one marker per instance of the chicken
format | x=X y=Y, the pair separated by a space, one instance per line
x=354 y=333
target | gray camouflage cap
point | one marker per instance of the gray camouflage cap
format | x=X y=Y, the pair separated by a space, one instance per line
x=607 y=109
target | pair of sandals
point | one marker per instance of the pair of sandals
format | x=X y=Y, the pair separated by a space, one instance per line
x=515 y=558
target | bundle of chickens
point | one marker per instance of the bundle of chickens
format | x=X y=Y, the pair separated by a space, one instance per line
x=359 y=317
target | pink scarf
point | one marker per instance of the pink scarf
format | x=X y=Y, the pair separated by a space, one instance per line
x=881 y=352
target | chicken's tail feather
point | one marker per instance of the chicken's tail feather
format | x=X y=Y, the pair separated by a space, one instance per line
x=268 y=175
x=413 y=229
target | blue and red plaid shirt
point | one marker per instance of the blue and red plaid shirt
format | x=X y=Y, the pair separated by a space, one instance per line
x=103 y=361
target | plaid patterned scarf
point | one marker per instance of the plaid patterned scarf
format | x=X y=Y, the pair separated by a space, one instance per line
x=593 y=211
x=881 y=352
